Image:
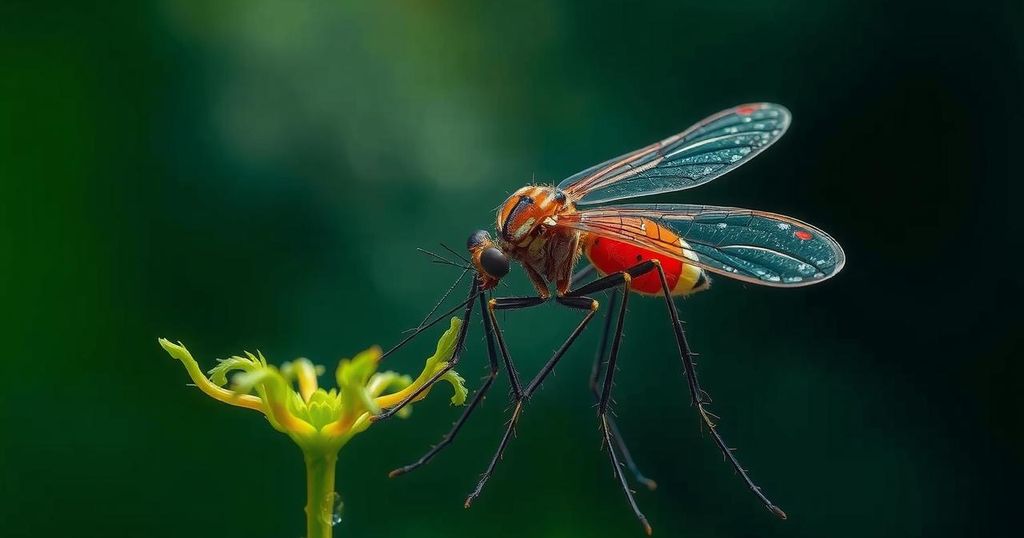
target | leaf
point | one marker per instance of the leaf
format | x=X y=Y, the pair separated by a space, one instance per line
x=219 y=373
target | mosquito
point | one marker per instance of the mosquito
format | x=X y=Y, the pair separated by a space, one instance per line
x=666 y=250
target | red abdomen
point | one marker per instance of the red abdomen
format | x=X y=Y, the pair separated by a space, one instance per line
x=610 y=256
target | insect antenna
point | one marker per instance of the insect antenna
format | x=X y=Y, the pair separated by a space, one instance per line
x=443 y=298
x=441 y=260
x=474 y=291
x=456 y=254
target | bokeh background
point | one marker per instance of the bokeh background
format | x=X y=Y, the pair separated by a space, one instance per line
x=243 y=175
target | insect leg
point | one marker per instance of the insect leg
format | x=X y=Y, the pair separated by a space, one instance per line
x=595 y=377
x=460 y=342
x=616 y=279
x=481 y=393
x=698 y=396
x=579 y=303
x=510 y=303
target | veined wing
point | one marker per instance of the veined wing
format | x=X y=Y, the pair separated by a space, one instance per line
x=707 y=150
x=752 y=246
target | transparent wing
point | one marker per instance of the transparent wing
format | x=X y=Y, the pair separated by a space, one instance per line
x=752 y=246
x=707 y=150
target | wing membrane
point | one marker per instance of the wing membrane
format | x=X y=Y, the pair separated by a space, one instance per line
x=752 y=246
x=705 y=151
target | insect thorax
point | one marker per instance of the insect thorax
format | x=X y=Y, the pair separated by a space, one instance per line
x=530 y=210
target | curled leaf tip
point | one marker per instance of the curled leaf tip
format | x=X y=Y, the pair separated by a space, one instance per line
x=176 y=351
x=459 y=390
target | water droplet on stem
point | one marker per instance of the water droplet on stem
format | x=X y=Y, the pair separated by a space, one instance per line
x=333 y=509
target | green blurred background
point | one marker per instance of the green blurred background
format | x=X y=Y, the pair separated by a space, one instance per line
x=243 y=175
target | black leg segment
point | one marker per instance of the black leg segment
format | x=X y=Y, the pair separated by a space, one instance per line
x=595 y=378
x=699 y=399
x=485 y=318
x=617 y=279
x=582 y=303
x=460 y=343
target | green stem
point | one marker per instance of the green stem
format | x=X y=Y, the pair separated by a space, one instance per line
x=320 y=494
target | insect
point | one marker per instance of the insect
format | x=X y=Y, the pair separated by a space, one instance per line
x=665 y=250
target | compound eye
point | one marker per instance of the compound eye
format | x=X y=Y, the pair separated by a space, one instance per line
x=494 y=262
x=477 y=238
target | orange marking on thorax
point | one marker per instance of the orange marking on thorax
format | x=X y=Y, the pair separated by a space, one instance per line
x=525 y=210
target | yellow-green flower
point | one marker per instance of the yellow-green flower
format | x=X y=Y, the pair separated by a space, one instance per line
x=319 y=421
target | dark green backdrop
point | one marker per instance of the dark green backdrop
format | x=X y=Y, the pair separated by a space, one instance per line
x=242 y=175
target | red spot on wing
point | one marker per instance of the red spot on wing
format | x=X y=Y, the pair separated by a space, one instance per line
x=747 y=110
x=802 y=235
